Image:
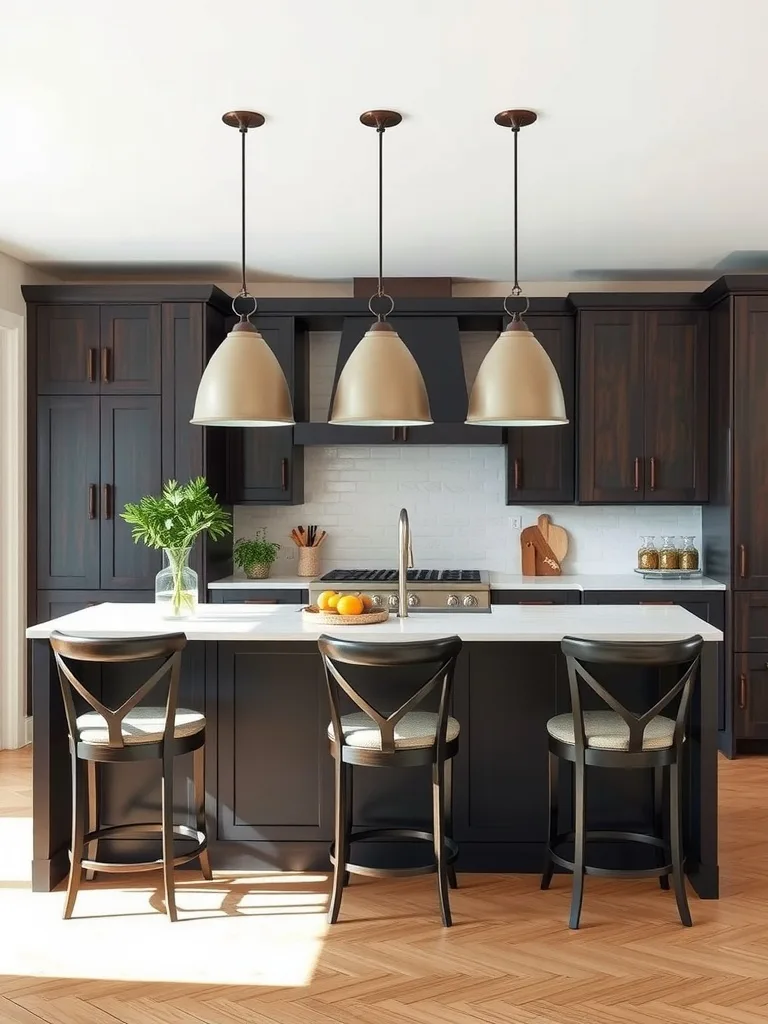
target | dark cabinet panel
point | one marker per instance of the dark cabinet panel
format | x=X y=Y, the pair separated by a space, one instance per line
x=68 y=492
x=130 y=359
x=750 y=622
x=541 y=461
x=259 y=596
x=51 y=604
x=264 y=467
x=750 y=675
x=67 y=349
x=275 y=769
x=535 y=597
x=130 y=469
x=750 y=448
x=676 y=402
x=611 y=406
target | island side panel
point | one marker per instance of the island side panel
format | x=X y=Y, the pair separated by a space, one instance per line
x=702 y=810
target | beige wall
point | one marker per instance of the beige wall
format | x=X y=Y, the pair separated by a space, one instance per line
x=13 y=274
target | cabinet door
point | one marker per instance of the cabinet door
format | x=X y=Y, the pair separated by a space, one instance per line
x=750 y=444
x=67 y=349
x=676 y=406
x=130 y=469
x=611 y=406
x=68 y=492
x=272 y=722
x=130 y=359
x=52 y=604
x=541 y=460
x=263 y=465
x=750 y=674
x=750 y=622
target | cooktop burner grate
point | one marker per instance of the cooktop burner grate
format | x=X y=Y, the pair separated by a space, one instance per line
x=414 y=576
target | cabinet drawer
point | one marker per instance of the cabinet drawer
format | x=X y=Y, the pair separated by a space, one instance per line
x=750 y=622
x=258 y=595
x=750 y=681
x=535 y=597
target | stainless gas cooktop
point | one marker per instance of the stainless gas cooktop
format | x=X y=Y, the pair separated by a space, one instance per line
x=429 y=590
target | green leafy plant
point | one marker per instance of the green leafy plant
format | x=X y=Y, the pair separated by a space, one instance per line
x=174 y=521
x=257 y=550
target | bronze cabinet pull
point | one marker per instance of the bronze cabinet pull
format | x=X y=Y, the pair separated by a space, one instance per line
x=255 y=600
x=284 y=474
x=653 y=473
x=91 y=365
x=518 y=474
x=535 y=602
x=637 y=474
x=105 y=365
x=91 y=501
x=106 y=510
x=394 y=433
x=655 y=602
x=742 y=561
x=742 y=692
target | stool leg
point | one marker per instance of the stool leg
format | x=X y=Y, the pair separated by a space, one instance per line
x=658 y=817
x=675 y=831
x=341 y=841
x=198 y=772
x=580 y=814
x=554 y=776
x=349 y=775
x=438 y=831
x=93 y=814
x=448 y=812
x=78 y=832
x=167 y=810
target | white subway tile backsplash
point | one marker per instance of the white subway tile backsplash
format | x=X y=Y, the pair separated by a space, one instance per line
x=455 y=497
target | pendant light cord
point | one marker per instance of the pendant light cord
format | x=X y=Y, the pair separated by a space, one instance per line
x=380 y=288
x=516 y=289
x=243 y=133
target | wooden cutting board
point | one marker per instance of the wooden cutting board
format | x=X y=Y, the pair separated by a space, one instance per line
x=555 y=536
x=543 y=547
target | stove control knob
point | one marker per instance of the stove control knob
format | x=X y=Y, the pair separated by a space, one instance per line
x=452 y=601
x=393 y=601
x=377 y=600
x=470 y=601
x=413 y=600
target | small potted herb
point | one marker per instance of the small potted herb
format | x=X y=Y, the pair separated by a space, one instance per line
x=173 y=522
x=255 y=555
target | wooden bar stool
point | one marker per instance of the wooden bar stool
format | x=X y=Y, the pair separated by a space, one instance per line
x=131 y=732
x=619 y=738
x=402 y=739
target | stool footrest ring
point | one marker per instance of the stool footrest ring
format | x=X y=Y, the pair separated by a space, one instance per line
x=452 y=852
x=605 y=835
x=147 y=830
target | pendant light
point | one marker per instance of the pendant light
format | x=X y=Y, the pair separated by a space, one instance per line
x=517 y=384
x=381 y=384
x=243 y=384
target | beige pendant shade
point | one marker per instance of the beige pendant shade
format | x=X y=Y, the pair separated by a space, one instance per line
x=243 y=385
x=381 y=384
x=517 y=384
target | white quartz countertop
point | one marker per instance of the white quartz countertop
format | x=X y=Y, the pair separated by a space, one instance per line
x=286 y=622
x=502 y=581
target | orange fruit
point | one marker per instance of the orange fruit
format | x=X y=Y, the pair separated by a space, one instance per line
x=367 y=601
x=332 y=602
x=350 y=604
x=324 y=598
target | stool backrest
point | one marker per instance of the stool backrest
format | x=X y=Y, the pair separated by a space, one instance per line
x=442 y=652
x=684 y=653
x=80 y=649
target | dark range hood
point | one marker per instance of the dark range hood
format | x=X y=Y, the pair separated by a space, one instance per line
x=435 y=344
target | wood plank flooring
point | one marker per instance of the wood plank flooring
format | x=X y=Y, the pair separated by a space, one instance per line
x=256 y=949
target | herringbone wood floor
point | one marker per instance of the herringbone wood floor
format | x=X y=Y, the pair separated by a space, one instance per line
x=257 y=949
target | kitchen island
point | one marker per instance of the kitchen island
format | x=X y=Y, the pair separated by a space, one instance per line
x=256 y=673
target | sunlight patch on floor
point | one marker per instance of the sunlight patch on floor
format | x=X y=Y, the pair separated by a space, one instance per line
x=15 y=852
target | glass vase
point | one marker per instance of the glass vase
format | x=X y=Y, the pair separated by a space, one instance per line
x=176 y=585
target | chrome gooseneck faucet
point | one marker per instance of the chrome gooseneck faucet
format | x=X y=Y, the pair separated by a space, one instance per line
x=404 y=563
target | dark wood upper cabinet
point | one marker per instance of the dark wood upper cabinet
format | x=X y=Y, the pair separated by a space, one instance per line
x=643 y=426
x=541 y=460
x=68 y=492
x=611 y=406
x=130 y=358
x=130 y=468
x=264 y=466
x=67 y=349
x=750 y=443
x=676 y=403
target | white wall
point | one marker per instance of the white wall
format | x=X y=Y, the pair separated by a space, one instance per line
x=13 y=274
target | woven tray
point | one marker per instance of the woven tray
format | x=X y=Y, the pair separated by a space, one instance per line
x=311 y=612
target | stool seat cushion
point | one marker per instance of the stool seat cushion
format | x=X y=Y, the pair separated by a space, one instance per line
x=415 y=729
x=606 y=730
x=142 y=725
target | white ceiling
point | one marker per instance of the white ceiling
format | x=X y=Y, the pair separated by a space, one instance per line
x=650 y=155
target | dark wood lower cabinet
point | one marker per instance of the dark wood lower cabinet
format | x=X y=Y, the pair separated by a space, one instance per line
x=535 y=597
x=750 y=681
x=257 y=595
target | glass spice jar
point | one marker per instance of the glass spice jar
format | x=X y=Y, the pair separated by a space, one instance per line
x=689 y=556
x=648 y=555
x=669 y=556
